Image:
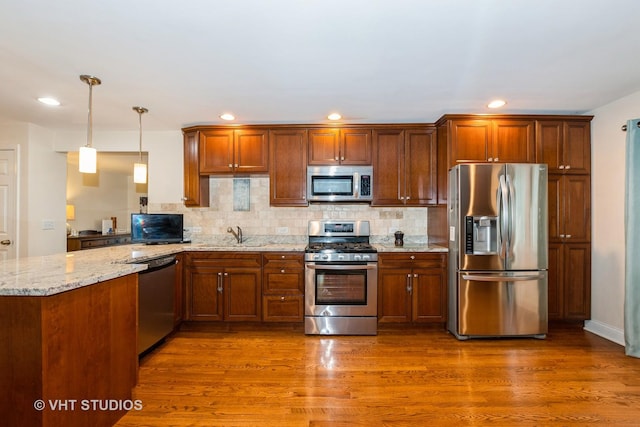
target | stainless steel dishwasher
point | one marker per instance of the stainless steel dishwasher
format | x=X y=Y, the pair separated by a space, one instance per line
x=156 y=295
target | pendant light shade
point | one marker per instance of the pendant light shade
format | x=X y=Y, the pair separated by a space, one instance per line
x=87 y=162
x=140 y=168
x=140 y=173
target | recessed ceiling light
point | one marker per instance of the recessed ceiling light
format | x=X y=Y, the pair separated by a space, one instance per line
x=227 y=116
x=497 y=103
x=49 y=101
x=334 y=116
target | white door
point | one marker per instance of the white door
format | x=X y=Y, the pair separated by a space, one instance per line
x=8 y=211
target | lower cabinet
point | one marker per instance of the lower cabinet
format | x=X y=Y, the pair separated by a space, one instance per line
x=412 y=287
x=283 y=287
x=223 y=286
x=569 y=281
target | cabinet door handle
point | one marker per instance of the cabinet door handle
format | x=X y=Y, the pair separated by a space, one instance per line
x=496 y=159
x=412 y=257
x=342 y=158
x=219 y=282
x=336 y=158
x=281 y=298
x=568 y=236
x=561 y=167
x=282 y=271
x=568 y=167
x=236 y=165
x=490 y=159
x=409 y=289
x=230 y=166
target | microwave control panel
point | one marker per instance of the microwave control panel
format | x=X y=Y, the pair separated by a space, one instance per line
x=365 y=185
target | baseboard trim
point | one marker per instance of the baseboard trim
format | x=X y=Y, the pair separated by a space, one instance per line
x=605 y=331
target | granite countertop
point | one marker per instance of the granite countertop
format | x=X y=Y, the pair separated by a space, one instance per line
x=52 y=274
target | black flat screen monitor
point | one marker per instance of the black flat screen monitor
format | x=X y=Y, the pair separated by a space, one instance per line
x=156 y=228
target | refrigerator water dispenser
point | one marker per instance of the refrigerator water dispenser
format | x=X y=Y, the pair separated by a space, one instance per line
x=481 y=235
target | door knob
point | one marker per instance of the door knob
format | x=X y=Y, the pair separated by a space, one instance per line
x=5 y=242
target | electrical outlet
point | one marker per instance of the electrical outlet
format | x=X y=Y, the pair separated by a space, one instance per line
x=48 y=224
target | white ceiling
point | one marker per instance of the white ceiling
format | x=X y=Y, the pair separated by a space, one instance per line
x=294 y=61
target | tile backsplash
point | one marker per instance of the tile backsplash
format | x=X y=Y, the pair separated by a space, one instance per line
x=286 y=223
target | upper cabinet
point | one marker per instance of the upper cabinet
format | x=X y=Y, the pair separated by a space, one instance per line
x=472 y=140
x=288 y=167
x=564 y=145
x=339 y=146
x=240 y=151
x=196 y=186
x=404 y=165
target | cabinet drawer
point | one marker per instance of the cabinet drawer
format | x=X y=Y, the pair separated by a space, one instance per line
x=283 y=260
x=411 y=260
x=285 y=280
x=282 y=308
x=224 y=259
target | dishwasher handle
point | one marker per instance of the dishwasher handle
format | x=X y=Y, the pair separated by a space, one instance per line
x=159 y=263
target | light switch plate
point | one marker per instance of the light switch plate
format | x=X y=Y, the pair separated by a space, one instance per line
x=48 y=224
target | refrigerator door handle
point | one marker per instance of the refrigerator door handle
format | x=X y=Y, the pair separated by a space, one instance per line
x=501 y=278
x=510 y=212
x=503 y=200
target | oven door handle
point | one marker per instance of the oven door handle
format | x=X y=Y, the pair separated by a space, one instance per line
x=369 y=266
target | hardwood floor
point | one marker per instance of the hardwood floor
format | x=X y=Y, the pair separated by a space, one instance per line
x=212 y=375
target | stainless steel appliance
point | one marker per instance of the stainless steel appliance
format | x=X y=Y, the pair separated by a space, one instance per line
x=341 y=279
x=339 y=183
x=498 y=252
x=156 y=294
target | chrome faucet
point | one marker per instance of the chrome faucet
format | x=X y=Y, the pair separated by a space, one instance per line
x=237 y=235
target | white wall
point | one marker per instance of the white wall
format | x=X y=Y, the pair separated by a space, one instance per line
x=607 y=188
x=41 y=179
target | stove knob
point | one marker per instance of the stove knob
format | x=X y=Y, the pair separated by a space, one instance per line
x=316 y=256
x=366 y=257
x=357 y=257
x=325 y=256
x=340 y=256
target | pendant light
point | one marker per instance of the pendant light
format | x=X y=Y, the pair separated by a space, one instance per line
x=140 y=169
x=88 y=153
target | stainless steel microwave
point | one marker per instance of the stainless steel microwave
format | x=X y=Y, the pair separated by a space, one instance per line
x=339 y=183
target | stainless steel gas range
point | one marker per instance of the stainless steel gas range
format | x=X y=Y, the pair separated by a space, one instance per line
x=341 y=279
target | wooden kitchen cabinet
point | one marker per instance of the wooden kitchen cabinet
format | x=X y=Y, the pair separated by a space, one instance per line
x=223 y=286
x=499 y=139
x=339 y=146
x=569 y=208
x=412 y=287
x=196 y=186
x=238 y=151
x=569 y=284
x=564 y=145
x=288 y=167
x=283 y=287
x=405 y=167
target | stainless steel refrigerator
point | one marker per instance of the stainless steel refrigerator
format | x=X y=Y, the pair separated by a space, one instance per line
x=498 y=250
